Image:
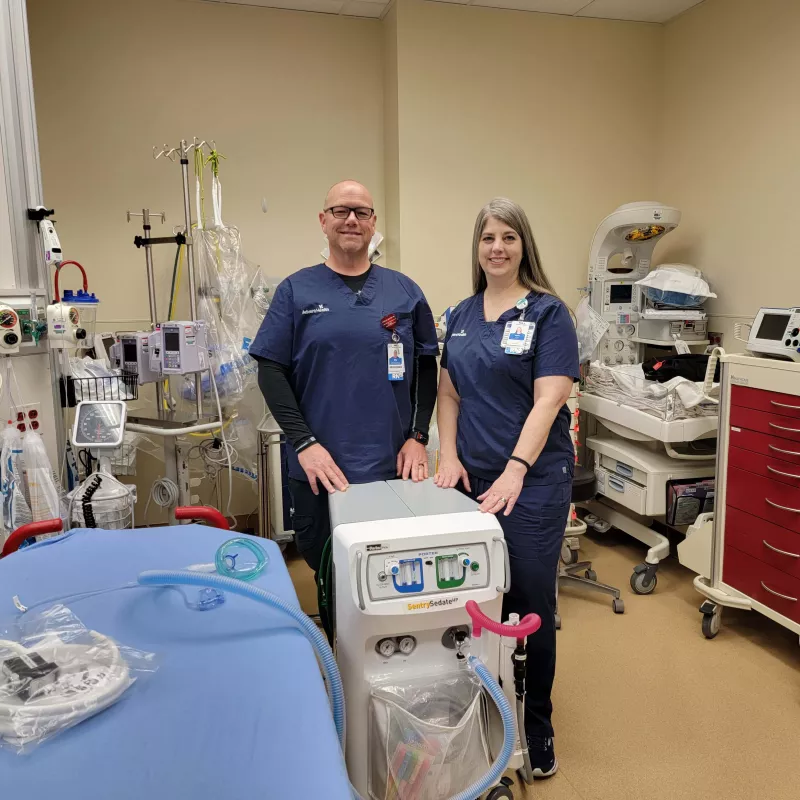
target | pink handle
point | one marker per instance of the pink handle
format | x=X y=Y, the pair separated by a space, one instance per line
x=27 y=531
x=529 y=624
x=204 y=513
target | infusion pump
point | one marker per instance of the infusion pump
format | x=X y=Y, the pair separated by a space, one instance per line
x=174 y=348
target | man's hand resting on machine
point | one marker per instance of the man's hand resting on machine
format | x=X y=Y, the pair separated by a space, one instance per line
x=318 y=465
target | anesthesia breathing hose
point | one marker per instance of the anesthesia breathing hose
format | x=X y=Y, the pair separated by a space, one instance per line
x=320 y=644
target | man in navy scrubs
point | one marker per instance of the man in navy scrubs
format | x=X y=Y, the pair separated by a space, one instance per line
x=347 y=365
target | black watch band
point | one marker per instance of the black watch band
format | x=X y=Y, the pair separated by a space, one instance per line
x=419 y=436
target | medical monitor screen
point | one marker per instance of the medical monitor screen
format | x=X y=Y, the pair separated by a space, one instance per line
x=773 y=327
x=129 y=352
x=172 y=341
x=621 y=293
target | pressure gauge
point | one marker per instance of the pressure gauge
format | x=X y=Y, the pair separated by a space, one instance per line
x=407 y=645
x=618 y=345
x=387 y=647
x=630 y=329
x=99 y=424
x=8 y=318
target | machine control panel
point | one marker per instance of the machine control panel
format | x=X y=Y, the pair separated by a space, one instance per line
x=424 y=572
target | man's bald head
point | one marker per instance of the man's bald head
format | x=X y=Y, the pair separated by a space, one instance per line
x=348 y=193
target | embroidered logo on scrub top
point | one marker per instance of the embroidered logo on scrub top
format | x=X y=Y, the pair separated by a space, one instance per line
x=319 y=309
x=462 y=332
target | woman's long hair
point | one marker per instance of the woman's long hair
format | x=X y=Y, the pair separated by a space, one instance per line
x=531 y=273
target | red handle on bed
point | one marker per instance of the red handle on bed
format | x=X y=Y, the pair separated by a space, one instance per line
x=205 y=513
x=529 y=624
x=27 y=531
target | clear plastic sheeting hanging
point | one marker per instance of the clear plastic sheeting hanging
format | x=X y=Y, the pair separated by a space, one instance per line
x=15 y=509
x=44 y=497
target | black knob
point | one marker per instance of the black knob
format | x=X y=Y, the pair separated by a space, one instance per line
x=80 y=333
x=795 y=343
x=11 y=338
x=788 y=342
x=795 y=331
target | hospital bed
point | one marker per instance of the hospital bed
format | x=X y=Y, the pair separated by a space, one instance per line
x=237 y=708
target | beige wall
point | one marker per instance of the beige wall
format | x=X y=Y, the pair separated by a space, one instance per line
x=547 y=110
x=295 y=102
x=729 y=155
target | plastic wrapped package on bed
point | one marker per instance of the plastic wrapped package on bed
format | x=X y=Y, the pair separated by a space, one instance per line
x=626 y=384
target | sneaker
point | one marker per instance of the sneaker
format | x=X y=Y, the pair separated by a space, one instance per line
x=543 y=757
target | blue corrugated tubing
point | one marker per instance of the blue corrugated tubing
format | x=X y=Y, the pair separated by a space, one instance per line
x=334 y=679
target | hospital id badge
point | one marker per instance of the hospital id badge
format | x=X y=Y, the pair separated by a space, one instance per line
x=395 y=361
x=517 y=337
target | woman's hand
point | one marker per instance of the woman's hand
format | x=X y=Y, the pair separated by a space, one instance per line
x=450 y=472
x=504 y=491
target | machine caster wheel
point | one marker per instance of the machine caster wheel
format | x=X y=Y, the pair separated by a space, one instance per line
x=590 y=575
x=712 y=619
x=618 y=605
x=568 y=555
x=590 y=519
x=644 y=579
x=558 y=622
x=500 y=793
x=601 y=526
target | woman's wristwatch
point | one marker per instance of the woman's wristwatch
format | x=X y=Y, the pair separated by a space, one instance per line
x=419 y=436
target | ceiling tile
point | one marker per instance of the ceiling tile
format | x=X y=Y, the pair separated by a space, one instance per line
x=639 y=10
x=363 y=8
x=544 y=6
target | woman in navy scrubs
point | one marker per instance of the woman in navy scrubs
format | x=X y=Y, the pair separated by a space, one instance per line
x=509 y=361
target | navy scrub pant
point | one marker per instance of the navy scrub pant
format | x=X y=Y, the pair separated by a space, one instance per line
x=534 y=532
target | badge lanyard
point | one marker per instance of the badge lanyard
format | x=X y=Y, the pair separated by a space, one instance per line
x=518 y=334
x=395 y=362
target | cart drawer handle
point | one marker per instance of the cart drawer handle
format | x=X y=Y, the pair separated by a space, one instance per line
x=786 y=452
x=782 y=428
x=778 y=594
x=616 y=485
x=785 y=405
x=783 y=508
x=782 y=552
x=785 y=474
x=359 y=561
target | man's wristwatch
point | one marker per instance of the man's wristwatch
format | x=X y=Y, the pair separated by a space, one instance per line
x=419 y=436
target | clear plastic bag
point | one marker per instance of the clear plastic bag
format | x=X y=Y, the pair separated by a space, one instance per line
x=677 y=285
x=427 y=737
x=56 y=673
x=225 y=300
x=15 y=509
x=589 y=328
x=45 y=499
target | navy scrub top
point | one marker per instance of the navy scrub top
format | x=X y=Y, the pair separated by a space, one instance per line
x=335 y=346
x=496 y=389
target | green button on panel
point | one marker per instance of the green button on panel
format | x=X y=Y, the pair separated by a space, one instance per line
x=474 y=566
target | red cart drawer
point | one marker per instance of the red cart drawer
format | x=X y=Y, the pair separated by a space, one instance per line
x=763 y=540
x=787 y=405
x=764 y=465
x=761 y=582
x=763 y=443
x=766 y=422
x=764 y=498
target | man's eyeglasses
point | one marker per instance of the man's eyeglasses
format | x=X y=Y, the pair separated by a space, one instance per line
x=343 y=212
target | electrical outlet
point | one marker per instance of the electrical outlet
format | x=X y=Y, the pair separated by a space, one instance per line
x=714 y=339
x=28 y=417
